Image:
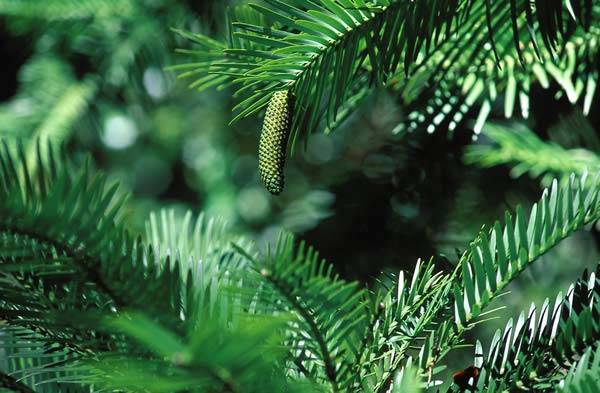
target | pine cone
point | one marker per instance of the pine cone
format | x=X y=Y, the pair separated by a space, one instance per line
x=273 y=140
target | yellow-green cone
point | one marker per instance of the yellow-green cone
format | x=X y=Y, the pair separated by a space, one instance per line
x=273 y=140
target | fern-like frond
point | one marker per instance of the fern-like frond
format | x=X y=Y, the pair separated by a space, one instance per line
x=62 y=217
x=49 y=102
x=330 y=314
x=96 y=307
x=498 y=255
x=210 y=357
x=61 y=241
x=536 y=351
x=116 y=315
x=521 y=149
x=28 y=363
x=404 y=314
x=583 y=377
x=203 y=248
x=461 y=76
x=198 y=243
x=326 y=53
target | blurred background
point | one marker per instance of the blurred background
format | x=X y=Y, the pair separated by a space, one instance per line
x=93 y=76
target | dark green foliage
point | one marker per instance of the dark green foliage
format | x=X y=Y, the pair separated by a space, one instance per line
x=274 y=139
x=98 y=308
x=527 y=153
x=72 y=275
x=583 y=375
x=497 y=255
x=539 y=347
x=462 y=77
x=331 y=314
x=330 y=54
x=188 y=306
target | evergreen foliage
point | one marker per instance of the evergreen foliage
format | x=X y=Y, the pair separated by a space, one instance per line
x=527 y=153
x=90 y=306
x=87 y=305
x=329 y=54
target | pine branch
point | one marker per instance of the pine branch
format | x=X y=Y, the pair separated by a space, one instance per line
x=8 y=382
x=498 y=255
x=321 y=51
x=525 y=152
x=330 y=368
x=202 y=245
x=215 y=355
x=464 y=77
x=534 y=351
x=583 y=375
x=482 y=274
x=410 y=309
x=330 y=313
x=82 y=261
x=31 y=361
x=60 y=241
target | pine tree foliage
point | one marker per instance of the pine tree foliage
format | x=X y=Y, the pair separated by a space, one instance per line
x=28 y=361
x=500 y=253
x=53 y=264
x=541 y=350
x=87 y=306
x=188 y=306
x=80 y=249
x=405 y=312
x=209 y=357
x=51 y=112
x=203 y=246
x=83 y=63
x=583 y=375
x=330 y=313
x=519 y=147
x=329 y=54
x=473 y=80
x=65 y=9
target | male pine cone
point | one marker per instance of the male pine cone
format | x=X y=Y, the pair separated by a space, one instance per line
x=274 y=139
